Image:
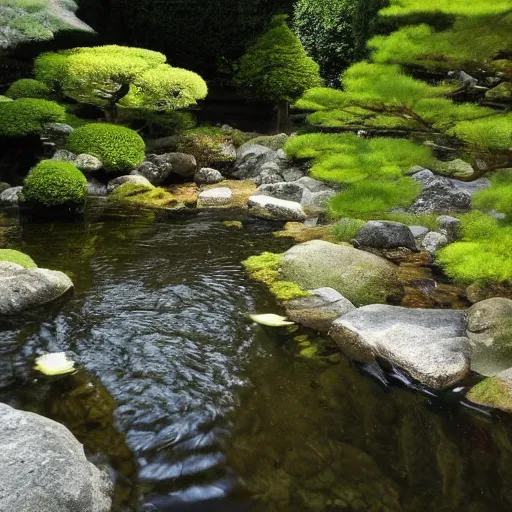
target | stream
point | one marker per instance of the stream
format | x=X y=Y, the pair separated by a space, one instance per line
x=194 y=408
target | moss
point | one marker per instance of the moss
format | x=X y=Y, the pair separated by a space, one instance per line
x=208 y=150
x=17 y=257
x=237 y=137
x=274 y=142
x=28 y=88
x=4 y=98
x=286 y=290
x=266 y=260
x=492 y=392
x=119 y=148
x=54 y=184
x=309 y=352
x=128 y=190
x=233 y=224
x=142 y=195
x=186 y=193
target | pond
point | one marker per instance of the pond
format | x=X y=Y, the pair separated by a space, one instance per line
x=194 y=408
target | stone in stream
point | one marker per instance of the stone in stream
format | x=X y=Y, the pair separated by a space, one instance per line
x=135 y=179
x=434 y=241
x=27 y=288
x=429 y=344
x=9 y=197
x=361 y=277
x=320 y=310
x=379 y=234
x=220 y=196
x=275 y=209
x=44 y=468
x=495 y=392
x=96 y=188
x=489 y=328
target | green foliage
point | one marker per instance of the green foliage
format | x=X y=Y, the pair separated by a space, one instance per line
x=28 y=88
x=498 y=196
x=276 y=67
x=119 y=149
x=4 y=98
x=25 y=116
x=54 y=184
x=17 y=257
x=492 y=133
x=346 y=229
x=454 y=7
x=237 y=137
x=207 y=149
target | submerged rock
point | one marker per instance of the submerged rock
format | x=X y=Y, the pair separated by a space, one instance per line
x=96 y=188
x=380 y=234
x=361 y=277
x=9 y=197
x=26 y=288
x=489 y=328
x=44 y=468
x=320 y=310
x=275 y=209
x=221 y=196
x=430 y=344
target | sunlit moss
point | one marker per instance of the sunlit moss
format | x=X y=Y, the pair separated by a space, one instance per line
x=17 y=257
x=493 y=393
x=286 y=290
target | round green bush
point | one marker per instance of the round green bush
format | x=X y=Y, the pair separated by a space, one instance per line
x=55 y=184
x=119 y=149
x=17 y=257
x=28 y=88
x=26 y=116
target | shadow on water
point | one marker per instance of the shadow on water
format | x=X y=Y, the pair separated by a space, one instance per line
x=193 y=408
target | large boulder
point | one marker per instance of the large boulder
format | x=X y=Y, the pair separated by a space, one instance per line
x=361 y=277
x=10 y=196
x=269 y=172
x=251 y=162
x=429 y=344
x=156 y=169
x=129 y=178
x=288 y=191
x=272 y=208
x=379 y=234
x=44 y=468
x=183 y=165
x=489 y=328
x=27 y=288
x=319 y=310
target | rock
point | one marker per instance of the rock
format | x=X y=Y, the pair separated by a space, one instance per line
x=439 y=195
x=156 y=169
x=429 y=344
x=418 y=231
x=64 y=155
x=361 y=277
x=96 y=188
x=313 y=185
x=27 y=288
x=249 y=151
x=415 y=169
x=482 y=289
x=9 y=197
x=455 y=168
x=472 y=187
x=318 y=200
x=489 y=328
x=130 y=178
x=272 y=208
x=227 y=154
x=292 y=174
x=320 y=310
x=182 y=164
x=251 y=162
x=422 y=175
x=44 y=468
x=88 y=163
x=162 y=144
x=4 y=186
x=208 y=176
x=449 y=227
x=215 y=197
x=287 y=191
x=494 y=391
x=56 y=130
x=434 y=241
x=379 y=234
x=273 y=142
x=268 y=173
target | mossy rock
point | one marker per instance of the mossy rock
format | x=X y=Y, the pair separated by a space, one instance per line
x=273 y=142
x=494 y=392
x=143 y=196
x=17 y=257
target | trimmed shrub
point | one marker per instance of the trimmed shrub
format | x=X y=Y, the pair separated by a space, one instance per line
x=55 y=184
x=26 y=116
x=119 y=148
x=17 y=257
x=28 y=88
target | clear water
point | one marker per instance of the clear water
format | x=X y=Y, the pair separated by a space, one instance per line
x=193 y=408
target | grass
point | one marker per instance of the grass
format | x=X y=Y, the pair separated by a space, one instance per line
x=346 y=229
x=498 y=196
x=17 y=257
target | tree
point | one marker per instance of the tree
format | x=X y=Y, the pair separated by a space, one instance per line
x=277 y=68
x=114 y=77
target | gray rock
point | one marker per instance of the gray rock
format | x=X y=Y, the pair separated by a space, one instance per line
x=215 y=197
x=9 y=197
x=250 y=151
x=252 y=161
x=182 y=164
x=455 y=168
x=57 y=130
x=422 y=175
x=415 y=169
x=429 y=344
x=96 y=188
x=320 y=310
x=64 y=155
x=439 y=195
x=44 y=468
x=313 y=185
x=418 y=231
x=380 y=234
x=27 y=288
x=272 y=208
x=361 y=277
x=434 y=241
x=489 y=328
x=208 y=176
x=162 y=144
x=156 y=169
x=269 y=172
x=472 y=187
x=130 y=178
x=449 y=227
x=88 y=163
x=292 y=174
x=317 y=201
x=4 y=186
x=287 y=191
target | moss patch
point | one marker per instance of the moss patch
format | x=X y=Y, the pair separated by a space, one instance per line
x=492 y=392
x=233 y=224
x=17 y=257
x=286 y=290
x=144 y=196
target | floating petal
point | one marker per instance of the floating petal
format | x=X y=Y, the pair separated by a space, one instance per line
x=271 y=320
x=54 y=364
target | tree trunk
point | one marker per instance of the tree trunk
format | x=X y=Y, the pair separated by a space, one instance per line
x=284 y=124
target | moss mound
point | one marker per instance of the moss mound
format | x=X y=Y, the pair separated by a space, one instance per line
x=144 y=196
x=28 y=88
x=119 y=149
x=26 y=116
x=17 y=257
x=55 y=184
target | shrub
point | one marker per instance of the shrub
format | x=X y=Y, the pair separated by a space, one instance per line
x=55 y=184
x=208 y=150
x=119 y=148
x=498 y=196
x=28 y=88
x=17 y=257
x=26 y=116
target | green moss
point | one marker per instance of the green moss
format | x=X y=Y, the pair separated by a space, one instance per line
x=266 y=260
x=54 y=184
x=493 y=393
x=346 y=229
x=119 y=149
x=128 y=190
x=26 y=116
x=4 y=98
x=233 y=224
x=273 y=142
x=28 y=88
x=142 y=195
x=17 y=257
x=286 y=290
x=498 y=196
